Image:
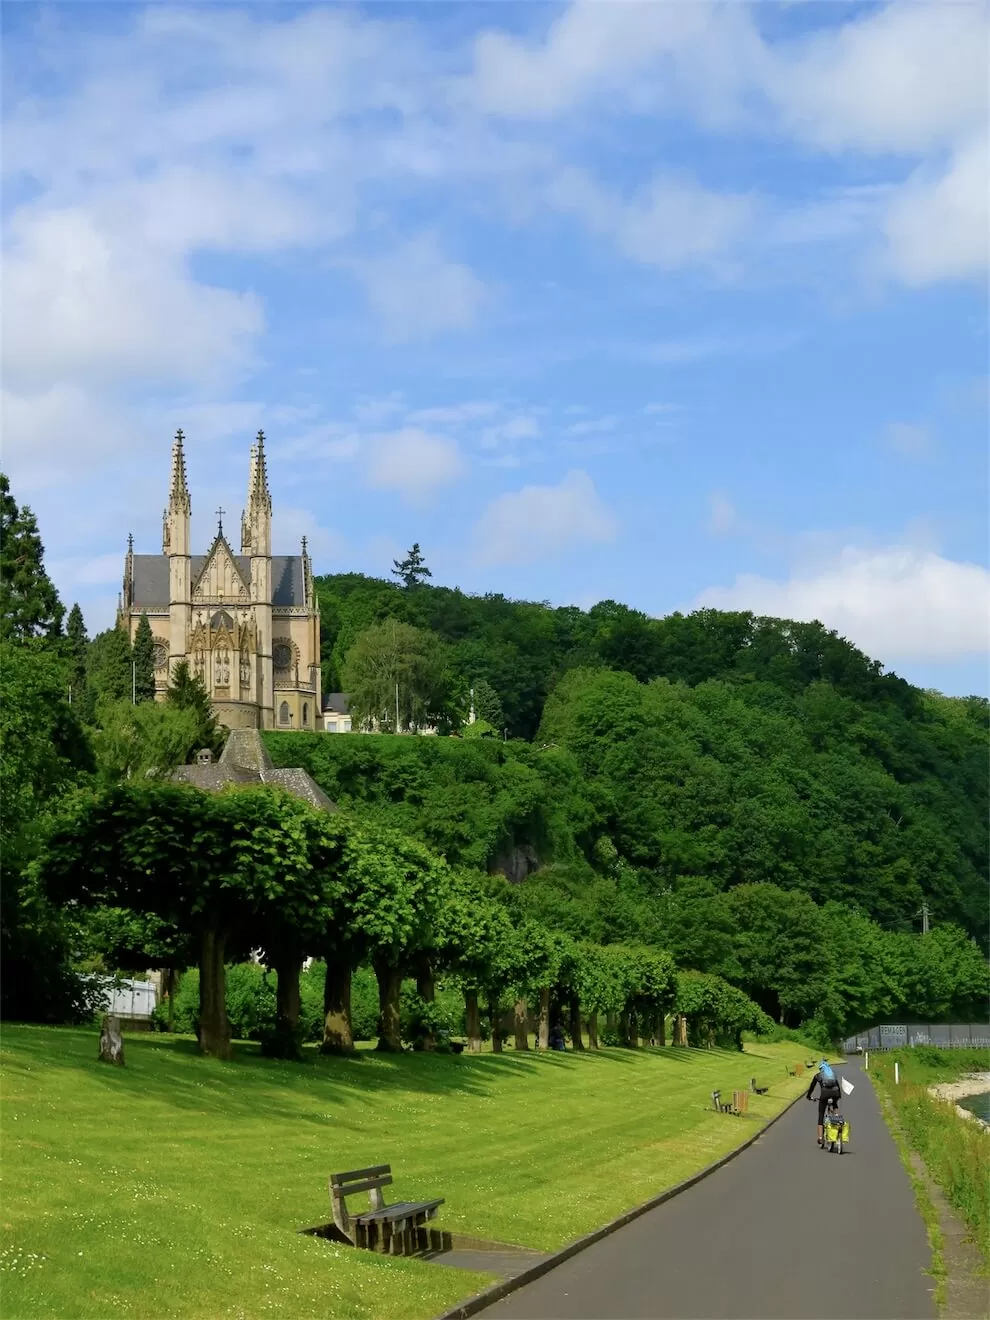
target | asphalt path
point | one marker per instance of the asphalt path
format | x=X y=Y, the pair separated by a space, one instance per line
x=783 y=1232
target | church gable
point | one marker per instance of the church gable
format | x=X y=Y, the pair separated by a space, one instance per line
x=220 y=578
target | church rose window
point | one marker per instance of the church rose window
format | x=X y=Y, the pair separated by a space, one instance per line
x=160 y=654
x=282 y=655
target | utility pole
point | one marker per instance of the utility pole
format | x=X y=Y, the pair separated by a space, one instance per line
x=924 y=914
x=397 y=708
x=133 y=683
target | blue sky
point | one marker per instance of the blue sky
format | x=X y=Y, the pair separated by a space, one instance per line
x=678 y=304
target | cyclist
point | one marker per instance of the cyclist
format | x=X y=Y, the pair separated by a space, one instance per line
x=828 y=1089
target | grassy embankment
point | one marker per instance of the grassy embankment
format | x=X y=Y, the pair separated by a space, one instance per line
x=176 y=1186
x=956 y=1152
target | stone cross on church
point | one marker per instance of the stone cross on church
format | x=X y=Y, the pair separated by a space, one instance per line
x=248 y=624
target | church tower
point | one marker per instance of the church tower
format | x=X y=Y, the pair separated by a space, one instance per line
x=176 y=545
x=248 y=623
x=256 y=542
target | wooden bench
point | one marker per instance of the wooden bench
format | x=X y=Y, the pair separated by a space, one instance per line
x=758 y=1090
x=396 y=1230
x=739 y=1104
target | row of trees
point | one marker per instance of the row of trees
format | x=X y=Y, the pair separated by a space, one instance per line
x=168 y=870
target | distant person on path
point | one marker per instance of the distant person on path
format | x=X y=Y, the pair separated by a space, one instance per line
x=556 y=1041
x=828 y=1089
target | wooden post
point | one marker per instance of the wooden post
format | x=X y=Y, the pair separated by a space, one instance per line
x=897 y=1073
x=544 y=1022
x=111 y=1044
x=520 y=1022
x=472 y=1021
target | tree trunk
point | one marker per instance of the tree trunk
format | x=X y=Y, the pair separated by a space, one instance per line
x=472 y=1021
x=680 y=1030
x=593 y=1031
x=495 y=1016
x=389 y=990
x=170 y=994
x=427 y=991
x=543 y=1027
x=575 y=1007
x=627 y=1029
x=612 y=1024
x=338 y=1037
x=283 y=1043
x=520 y=1021
x=662 y=1028
x=214 y=1026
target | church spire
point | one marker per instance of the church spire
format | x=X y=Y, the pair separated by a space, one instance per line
x=256 y=523
x=175 y=524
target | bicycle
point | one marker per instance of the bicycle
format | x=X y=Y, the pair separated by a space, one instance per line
x=835 y=1129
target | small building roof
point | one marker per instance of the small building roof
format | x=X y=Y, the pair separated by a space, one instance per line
x=336 y=703
x=245 y=760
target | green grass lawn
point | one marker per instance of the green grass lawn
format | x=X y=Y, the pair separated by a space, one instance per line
x=176 y=1186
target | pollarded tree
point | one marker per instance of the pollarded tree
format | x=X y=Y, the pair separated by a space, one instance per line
x=29 y=603
x=395 y=890
x=476 y=942
x=214 y=866
x=144 y=661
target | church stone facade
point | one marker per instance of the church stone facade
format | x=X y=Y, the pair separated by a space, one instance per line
x=248 y=624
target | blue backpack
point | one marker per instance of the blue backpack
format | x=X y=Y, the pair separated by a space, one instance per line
x=826 y=1074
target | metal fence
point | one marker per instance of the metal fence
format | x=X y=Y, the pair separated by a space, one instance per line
x=946 y=1035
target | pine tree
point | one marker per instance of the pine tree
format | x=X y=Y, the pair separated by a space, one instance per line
x=144 y=661
x=76 y=648
x=188 y=692
x=487 y=705
x=29 y=603
x=108 y=666
x=412 y=570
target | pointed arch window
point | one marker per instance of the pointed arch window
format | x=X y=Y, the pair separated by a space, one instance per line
x=283 y=713
x=305 y=712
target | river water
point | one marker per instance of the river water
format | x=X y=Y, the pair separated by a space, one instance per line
x=977 y=1104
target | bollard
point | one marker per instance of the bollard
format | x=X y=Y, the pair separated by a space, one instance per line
x=897 y=1073
x=866 y=1065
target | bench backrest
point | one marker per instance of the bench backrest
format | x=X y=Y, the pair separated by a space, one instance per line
x=361 y=1180
x=350 y=1183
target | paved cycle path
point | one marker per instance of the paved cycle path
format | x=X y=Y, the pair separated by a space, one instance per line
x=783 y=1232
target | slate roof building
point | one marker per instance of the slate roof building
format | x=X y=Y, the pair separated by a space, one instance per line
x=245 y=760
x=248 y=623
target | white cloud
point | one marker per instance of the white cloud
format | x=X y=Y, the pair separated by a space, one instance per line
x=902 y=77
x=593 y=426
x=327 y=548
x=413 y=462
x=509 y=431
x=90 y=305
x=539 y=521
x=723 y=519
x=938 y=224
x=452 y=414
x=416 y=292
x=895 y=603
x=909 y=439
x=672 y=222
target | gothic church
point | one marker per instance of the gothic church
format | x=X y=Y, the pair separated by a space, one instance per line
x=248 y=624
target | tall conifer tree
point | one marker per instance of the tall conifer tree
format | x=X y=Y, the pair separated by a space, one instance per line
x=29 y=603
x=109 y=666
x=76 y=646
x=144 y=661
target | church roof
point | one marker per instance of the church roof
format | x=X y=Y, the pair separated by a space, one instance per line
x=246 y=760
x=151 y=585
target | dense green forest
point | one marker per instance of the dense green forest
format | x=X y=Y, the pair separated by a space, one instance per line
x=713 y=814
x=723 y=747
